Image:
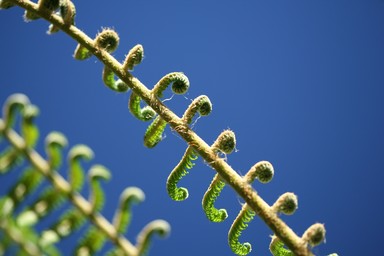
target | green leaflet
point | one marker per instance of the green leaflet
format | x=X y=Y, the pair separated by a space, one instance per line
x=91 y=242
x=245 y=215
x=159 y=227
x=276 y=247
x=76 y=172
x=123 y=214
x=181 y=169
x=29 y=130
x=154 y=132
x=81 y=53
x=97 y=173
x=13 y=104
x=210 y=196
x=111 y=83
x=54 y=144
x=143 y=114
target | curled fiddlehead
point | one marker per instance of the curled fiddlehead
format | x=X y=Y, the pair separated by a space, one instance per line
x=109 y=80
x=18 y=103
x=97 y=173
x=203 y=106
x=287 y=204
x=225 y=143
x=107 y=40
x=45 y=6
x=76 y=172
x=123 y=214
x=67 y=11
x=314 y=235
x=262 y=171
x=241 y=222
x=179 y=81
x=180 y=85
x=159 y=227
x=181 y=169
x=54 y=144
x=134 y=57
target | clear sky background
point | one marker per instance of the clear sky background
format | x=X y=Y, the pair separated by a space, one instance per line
x=300 y=82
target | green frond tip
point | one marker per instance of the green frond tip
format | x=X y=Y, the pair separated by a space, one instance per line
x=111 y=83
x=154 y=133
x=263 y=171
x=143 y=114
x=81 y=53
x=54 y=144
x=314 y=235
x=225 y=142
x=210 y=196
x=123 y=215
x=76 y=172
x=107 y=40
x=276 y=247
x=97 y=173
x=180 y=84
x=13 y=104
x=134 y=57
x=29 y=130
x=159 y=227
x=181 y=169
x=201 y=104
x=238 y=226
x=286 y=204
x=6 y=4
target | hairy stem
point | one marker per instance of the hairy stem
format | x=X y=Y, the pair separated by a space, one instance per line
x=261 y=208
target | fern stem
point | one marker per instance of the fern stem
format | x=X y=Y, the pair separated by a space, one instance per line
x=284 y=232
x=64 y=187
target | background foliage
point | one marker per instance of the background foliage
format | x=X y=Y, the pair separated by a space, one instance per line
x=301 y=84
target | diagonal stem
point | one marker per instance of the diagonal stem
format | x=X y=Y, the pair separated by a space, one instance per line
x=282 y=230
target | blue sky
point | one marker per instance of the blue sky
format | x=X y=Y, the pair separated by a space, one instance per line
x=301 y=83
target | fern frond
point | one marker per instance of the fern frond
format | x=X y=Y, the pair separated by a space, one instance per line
x=113 y=84
x=181 y=169
x=123 y=214
x=245 y=215
x=134 y=57
x=29 y=130
x=159 y=227
x=143 y=114
x=179 y=81
x=276 y=247
x=97 y=173
x=54 y=144
x=154 y=133
x=210 y=196
x=76 y=172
